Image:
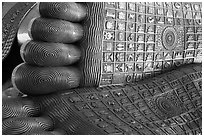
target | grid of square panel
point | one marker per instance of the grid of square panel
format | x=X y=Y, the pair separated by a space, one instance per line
x=135 y=109
x=132 y=45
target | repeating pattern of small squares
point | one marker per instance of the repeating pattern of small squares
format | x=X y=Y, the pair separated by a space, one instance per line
x=142 y=39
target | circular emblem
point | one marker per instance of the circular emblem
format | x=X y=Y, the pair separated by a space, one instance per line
x=169 y=38
x=166 y=107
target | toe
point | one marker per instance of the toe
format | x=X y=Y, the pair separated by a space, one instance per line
x=20 y=125
x=69 y=11
x=53 y=30
x=43 y=80
x=49 y=54
x=18 y=107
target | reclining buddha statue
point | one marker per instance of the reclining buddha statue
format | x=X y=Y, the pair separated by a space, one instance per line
x=102 y=68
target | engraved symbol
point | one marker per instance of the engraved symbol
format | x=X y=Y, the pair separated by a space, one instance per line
x=178 y=62
x=150 y=29
x=131 y=6
x=199 y=37
x=105 y=94
x=122 y=5
x=148 y=66
x=169 y=38
x=140 y=38
x=131 y=16
x=119 y=67
x=131 y=26
x=149 y=56
x=190 y=38
x=188 y=14
x=141 y=9
x=121 y=36
x=197 y=21
x=140 y=29
x=196 y=7
x=111 y=4
x=189 y=53
x=169 y=13
x=177 y=5
x=140 y=18
x=130 y=47
x=189 y=30
x=110 y=25
x=199 y=44
x=167 y=64
x=150 y=47
x=169 y=20
x=189 y=21
x=190 y=45
x=166 y=106
x=128 y=79
x=150 y=10
x=150 y=19
x=158 y=65
x=108 y=68
x=178 y=14
x=178 y=54
x=120 y=56
x=129 y=67
x=158 y=56
x=199 y=29
x=159 y=19
x=187 y=6
x=108 y=46
x=110 y=13
x=150 y=3
x=178 y=21
x=160 y=11
x=108 y=57
x=120 y=47
x=167 y=56
x=197 y=15
x=168 y=4
x=139 y=67
x=131 y=37
x=150 y=38
x=140 y=47
x=108 y=35
x=158 y=3
x=121 y=26
x=130 y=56
x=121 y=15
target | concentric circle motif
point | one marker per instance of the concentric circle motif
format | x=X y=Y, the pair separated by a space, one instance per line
x=166 y=107
x=169 y=38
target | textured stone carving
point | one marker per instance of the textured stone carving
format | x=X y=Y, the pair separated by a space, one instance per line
x=170 y=103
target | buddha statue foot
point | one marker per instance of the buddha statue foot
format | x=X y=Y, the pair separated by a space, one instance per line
x=106 y=43
x=94 y=68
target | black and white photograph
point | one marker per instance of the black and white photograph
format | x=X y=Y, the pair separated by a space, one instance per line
x=102 y=68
